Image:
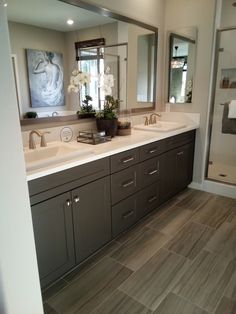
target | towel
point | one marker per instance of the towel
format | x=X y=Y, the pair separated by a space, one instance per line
x=232 y=110
x=228 y=125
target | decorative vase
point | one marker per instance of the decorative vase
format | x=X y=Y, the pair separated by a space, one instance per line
x=107 y=125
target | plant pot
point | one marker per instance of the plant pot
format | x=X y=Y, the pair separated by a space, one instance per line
x=123 y=132
x=108 y=125
x=86 y=115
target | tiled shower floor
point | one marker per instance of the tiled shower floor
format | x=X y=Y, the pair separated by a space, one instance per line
x=222 y=172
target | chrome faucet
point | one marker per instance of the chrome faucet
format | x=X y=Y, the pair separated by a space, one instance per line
x=152 y=119
x=43 y=142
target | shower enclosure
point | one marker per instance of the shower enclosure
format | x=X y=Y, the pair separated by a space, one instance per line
x=222 y=150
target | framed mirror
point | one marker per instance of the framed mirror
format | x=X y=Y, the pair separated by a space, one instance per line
x=182 y=55
x=52 y=38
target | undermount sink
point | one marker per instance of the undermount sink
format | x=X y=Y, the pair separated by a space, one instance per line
x=161 y=126
x=53 y=153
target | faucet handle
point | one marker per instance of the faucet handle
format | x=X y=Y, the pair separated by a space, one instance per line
x=43 y=139
x=146 y=120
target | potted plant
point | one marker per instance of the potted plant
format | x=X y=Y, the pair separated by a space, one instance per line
x=79 y=79
x=124 y=128
x=86 y=110
x=107 y=117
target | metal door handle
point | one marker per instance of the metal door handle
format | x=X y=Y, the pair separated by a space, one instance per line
x=125 y=185
x=128 y=214
x=124 y=161
x=76 y=199
x=180 y=153
x=68 y=203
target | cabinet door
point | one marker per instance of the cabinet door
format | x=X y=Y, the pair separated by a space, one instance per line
x=92 y=217
x=167 y=175
x=184 y=166
x=53 y=232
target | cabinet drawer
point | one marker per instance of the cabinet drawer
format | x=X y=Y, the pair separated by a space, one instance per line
x=149 y=172
x=152 y=150
x=124 y=183
x=181 y=139
x=124 y=215
x=59 y=182
x=124 y=160
x=148 y=200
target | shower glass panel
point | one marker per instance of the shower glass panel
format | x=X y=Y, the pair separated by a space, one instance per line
x=222 y=152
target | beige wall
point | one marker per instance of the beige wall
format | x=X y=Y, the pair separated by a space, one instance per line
x=201 y=14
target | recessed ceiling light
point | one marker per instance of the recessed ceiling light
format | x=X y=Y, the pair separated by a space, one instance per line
x=70 y=22
x=5 y=5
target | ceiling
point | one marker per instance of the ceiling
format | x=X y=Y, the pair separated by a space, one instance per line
x=52 y=14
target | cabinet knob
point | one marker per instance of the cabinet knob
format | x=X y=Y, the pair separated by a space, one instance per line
x=76 y=199
x=68 y=203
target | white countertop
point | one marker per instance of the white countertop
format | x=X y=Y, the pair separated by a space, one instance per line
x=117 y=145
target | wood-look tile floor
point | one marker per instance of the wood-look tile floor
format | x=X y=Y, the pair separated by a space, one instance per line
x=181 y=259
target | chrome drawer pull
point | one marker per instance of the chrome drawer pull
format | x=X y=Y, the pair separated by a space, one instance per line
x=152 y=199
x=152 y=172
x=152 y=151
x=125 y=185
x=180 y=153
x=128 y=214
x=124 y=161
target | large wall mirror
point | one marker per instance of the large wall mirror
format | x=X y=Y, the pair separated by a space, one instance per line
x=182 y=57
x=51 y=38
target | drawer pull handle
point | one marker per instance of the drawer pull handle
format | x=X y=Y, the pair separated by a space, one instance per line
x=127 y=184
x=152 y=151
x=152 y=172
x=152 y=199
x=76 y=199
x=180 y=153
x=124 y=161
x=128 y=214
x=68 y=203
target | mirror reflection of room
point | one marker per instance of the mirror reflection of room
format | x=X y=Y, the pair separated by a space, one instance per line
x=45 y=40
x=181 y=69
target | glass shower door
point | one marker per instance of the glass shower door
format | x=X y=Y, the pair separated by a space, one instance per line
x=222 y=152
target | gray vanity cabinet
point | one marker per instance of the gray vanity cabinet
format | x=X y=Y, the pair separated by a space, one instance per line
x=176 y=168
x=53 y=232
x=92 y=217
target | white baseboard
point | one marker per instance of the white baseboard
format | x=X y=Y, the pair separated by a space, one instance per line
x=215 y=188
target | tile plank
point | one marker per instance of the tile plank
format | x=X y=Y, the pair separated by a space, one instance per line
x=170 y=221
x=194 y=199
x=152 y=282
x=215 y=212
x=190 y=240
x=224 y=241
x=119 y=302
x=226 y=306
x=91 y=288
x=175 y=305
x=205 y=280
x=139 y=249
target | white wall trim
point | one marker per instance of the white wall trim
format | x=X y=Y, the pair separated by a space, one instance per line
x=215 y=188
